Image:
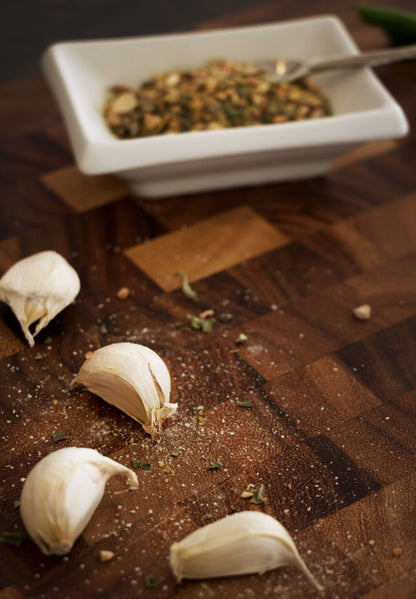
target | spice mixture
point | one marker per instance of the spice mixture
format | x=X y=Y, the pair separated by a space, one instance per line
x=217 y=95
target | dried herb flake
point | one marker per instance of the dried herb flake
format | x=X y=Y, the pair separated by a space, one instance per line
x=186 y=288
x=244 y=404
x=241 y=339
x=201 y=324
x=141 y=465
x=214 y=466
x=206 y=517
x=225 y=317
x=259 y=495
x=15 y=538
x=175 y=452
x=150 y=582
x=16 y=504
x=58 y=436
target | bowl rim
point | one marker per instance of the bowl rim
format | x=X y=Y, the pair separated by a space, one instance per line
x=114 y=155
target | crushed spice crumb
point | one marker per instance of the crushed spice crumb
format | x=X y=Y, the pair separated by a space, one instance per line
x=362 y=312
x=123 y=293
x=105 y=555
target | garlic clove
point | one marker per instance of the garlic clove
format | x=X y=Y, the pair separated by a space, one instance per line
x=37 y=288
x=243 y=543
x=133 y=378
x=62 y=492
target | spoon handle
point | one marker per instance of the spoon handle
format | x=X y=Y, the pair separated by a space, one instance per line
x=372 y=58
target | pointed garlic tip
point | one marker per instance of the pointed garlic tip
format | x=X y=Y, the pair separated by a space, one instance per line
x=61 y=493
x=243 y=543
x=133 y=378
x=37 y=288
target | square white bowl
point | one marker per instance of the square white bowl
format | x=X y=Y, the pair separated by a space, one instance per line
x=80 y=74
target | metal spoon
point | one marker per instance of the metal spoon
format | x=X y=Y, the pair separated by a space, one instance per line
x=290 y=70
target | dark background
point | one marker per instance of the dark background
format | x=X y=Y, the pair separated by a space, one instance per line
x=30 y=26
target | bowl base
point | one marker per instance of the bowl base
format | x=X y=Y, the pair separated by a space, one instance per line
x=199 y=176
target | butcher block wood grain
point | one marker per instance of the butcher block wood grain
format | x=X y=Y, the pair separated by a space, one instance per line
x=330 y=424
x=207 y=247
x=81 y=192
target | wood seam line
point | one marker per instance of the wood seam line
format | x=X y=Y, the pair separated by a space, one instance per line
x=84 y=192
x=206 y=247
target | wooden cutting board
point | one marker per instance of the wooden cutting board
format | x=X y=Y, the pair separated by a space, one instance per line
x=332 y=425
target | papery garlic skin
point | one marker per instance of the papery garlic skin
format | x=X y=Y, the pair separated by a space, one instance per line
x=62 y=492
x=243 y=543
x=133 y=378
x=37 y=288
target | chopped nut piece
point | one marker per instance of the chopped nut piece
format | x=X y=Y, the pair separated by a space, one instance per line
x=113 y=120
x=241 y=339
x=280 y=118
x=124 y=103
x=397 y=551
x=173 y=79
x=152 y=122
x=206 y=314
x=362 y=312
x=105 y=555
x=248 y=492
x=123 y=293
x=119 y=89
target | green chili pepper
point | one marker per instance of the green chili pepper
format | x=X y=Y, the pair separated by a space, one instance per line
x=400 y=25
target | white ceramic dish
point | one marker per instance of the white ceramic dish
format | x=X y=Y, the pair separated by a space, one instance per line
x=80 y=74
